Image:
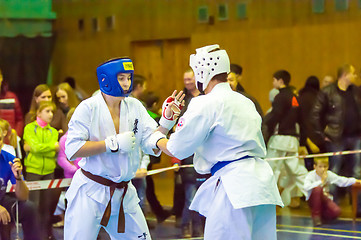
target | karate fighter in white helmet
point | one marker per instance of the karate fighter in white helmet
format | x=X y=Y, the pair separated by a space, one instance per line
x=223 y=129
x=107 y=130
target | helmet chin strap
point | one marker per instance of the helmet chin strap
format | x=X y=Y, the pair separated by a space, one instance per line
x=200 y=87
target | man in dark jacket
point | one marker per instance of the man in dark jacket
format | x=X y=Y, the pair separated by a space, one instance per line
x=336 y=121
x=234 y=80
x=282 y=124
x=190 y=179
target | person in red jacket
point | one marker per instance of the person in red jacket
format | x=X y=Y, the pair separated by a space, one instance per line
x=10 y=109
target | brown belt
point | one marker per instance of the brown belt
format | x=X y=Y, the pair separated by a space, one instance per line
x=108 y=210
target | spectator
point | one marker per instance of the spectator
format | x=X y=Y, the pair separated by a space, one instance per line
x=139 y=182
x=41 y=145
x=307 y=98
x=151 y=102
x=336 y=122
x=10 y=108
x=335 y=118
x=327 y=80
x=70 y=167
x=284 y=142
x=317 y=186
x=65 y=97
x=6 y=129
x=42 y=93
x=271 y=96
x=234 y=79
x=190 y=179
x=11 y=170
x=80 y=93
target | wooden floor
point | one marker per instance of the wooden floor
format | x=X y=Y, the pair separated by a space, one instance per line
x=294 y=224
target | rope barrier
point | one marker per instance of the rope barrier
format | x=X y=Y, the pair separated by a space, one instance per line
x=65 y=182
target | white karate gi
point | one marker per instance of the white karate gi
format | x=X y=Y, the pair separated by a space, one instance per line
x=87 y=199
x=294 y=169
x=239 y=200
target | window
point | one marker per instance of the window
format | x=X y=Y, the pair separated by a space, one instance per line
x=95 y=25
x=110 y=21
x=81 y=25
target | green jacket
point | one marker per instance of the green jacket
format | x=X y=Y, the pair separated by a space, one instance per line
x=41 y=159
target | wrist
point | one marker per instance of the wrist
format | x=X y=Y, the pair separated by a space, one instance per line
x=19 y=178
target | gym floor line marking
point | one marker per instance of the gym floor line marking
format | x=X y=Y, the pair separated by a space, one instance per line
x=308 y=217
x=316 y=228
x=320 y=234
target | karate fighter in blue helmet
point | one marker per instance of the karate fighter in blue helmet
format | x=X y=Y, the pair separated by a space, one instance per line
x=107 y=130
x=223 y=130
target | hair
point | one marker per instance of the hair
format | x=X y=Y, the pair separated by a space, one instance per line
x=318 y=160
x=138 y=80
x=150 y=98
x=343 y=70
x=37 y=92
x=189 y=70
x=73 y=101
x=312 y=84
x=70 y=81
x=235 y=68
x=222 y=77
x=45 y=104
x=69 y=115
x=284 y=75
x=5 y=126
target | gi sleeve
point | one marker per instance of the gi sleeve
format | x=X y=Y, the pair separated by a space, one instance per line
x=310 y=182
x=192 y=129
x=149 y=125
x=333 y=178
x=78 y=131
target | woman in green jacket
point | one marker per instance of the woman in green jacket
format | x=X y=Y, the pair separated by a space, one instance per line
x=41 y=145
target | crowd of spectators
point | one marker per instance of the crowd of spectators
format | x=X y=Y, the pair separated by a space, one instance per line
x=320 y=117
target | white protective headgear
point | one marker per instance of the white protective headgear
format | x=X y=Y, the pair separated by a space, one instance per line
x=207 y=64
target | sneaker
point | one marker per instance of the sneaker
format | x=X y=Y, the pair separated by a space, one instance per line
x=317 y=221
x=295 y=202
x=59 y=224
x=178 y=222
x=166 y=214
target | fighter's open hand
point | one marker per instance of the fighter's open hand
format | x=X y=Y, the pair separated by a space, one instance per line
x=171 y=109
x=4 y=216
x=16 y=167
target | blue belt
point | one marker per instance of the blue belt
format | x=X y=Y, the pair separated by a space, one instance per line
x=222 y=164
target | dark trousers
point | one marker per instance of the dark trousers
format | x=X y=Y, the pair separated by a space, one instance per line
x=178 y=196
x=45 y=200
x=28 y=218
x=346 y=165
x=321 y=206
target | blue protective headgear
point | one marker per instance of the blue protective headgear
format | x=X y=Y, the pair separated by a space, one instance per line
x=107 y=76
